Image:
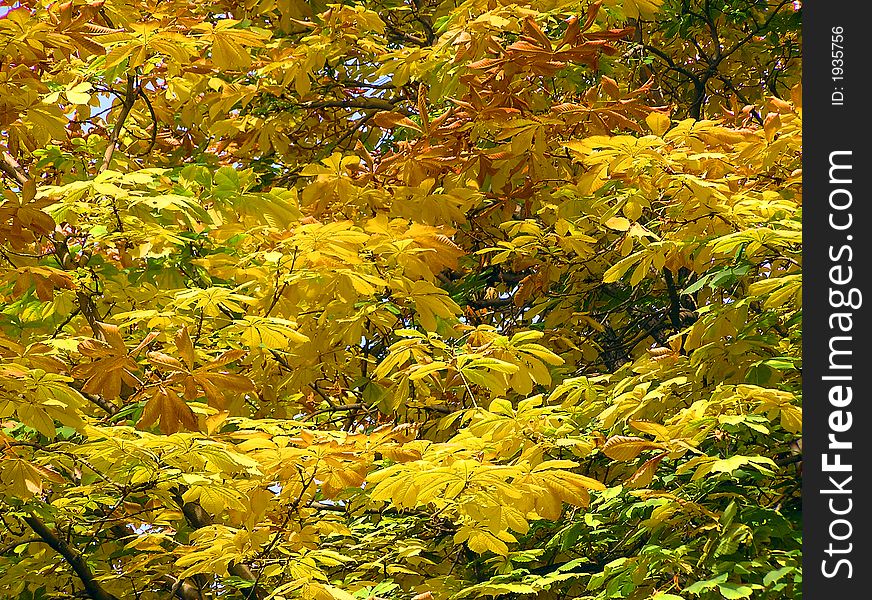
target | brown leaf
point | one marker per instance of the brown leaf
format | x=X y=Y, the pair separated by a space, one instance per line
x=590 y=17
x=531 y=28
x=45 y=280
x=390 y=119
x=610 y=87
x=161 y=360
x=173 y=412
x=573 y=29
x=110 y=365
x=185 y=347
x=645 y=474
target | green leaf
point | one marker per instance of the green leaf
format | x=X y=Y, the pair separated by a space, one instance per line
x=773 y=576
x=734 y=591
x=729 y=513
x=703 y=586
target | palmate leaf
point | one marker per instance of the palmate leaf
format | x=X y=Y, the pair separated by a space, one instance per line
x=214 y=384
x=38 y=418
x=44 y=280
x=213 y=301
x=270 y=333
x=214 y=498
x=22 y=219
x=164 y=404
x=480 y=541
x=110 y=366
x=22 y=477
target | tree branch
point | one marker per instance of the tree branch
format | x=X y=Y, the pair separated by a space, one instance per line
x=103 y=403
x=89 y=310
x=92 y=587
x=674 y=300
x=12 y=169
x=361 y=103
x=339 y=408
x=197 y=517
x=13 y=545
x=127 y=104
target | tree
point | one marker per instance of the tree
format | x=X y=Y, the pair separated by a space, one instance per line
x=390 y=299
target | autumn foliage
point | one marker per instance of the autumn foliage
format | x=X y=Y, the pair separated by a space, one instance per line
x=400 y=299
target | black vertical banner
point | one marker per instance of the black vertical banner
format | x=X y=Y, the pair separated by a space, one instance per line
x=837 y=297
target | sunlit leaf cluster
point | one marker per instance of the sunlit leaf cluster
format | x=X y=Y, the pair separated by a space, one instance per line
x=400 y=299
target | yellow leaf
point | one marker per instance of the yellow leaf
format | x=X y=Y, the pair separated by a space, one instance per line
x=271 y=333
x=658 y=122
x=21 y=476
x=622 y=447
x=35 y=417
x=618 y=223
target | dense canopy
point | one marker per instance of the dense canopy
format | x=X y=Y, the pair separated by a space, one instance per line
x=400 y=299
